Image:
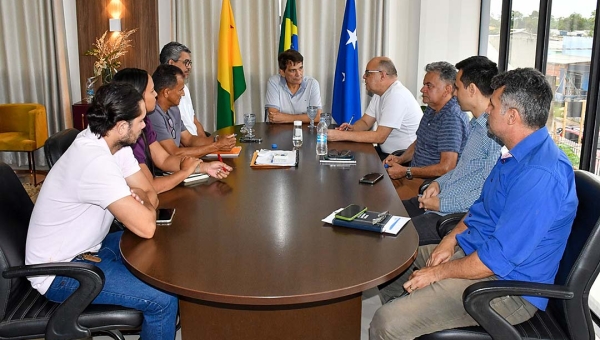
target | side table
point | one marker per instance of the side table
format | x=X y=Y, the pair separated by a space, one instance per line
x=79 y=119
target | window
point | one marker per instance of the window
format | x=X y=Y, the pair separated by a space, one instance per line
x=568 y=69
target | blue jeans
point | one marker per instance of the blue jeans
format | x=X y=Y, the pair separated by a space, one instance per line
x=124 y=289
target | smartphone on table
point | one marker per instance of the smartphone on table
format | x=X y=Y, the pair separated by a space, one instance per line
x=164 y=216
x=350 y=212
x=371 y=178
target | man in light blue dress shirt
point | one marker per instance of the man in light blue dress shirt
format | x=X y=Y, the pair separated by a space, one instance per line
x=460 y=187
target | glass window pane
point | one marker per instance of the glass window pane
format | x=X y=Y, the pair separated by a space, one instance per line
x=491 y=33
x=568 y=71
x=523 y=33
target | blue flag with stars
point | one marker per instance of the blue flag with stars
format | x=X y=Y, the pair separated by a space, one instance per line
x=346 y=83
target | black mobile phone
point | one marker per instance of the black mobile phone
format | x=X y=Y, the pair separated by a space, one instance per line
x=350 y=212
x=165 y=216
x=371 y=178
x=250 y=140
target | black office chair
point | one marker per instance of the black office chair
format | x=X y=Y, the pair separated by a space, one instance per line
x=568 y=315
x=24 y=313
x=57 y=144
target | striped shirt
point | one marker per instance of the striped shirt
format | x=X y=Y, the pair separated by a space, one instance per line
x=444 y=131
x=461 y=186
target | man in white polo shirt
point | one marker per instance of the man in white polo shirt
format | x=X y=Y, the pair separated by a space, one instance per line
x=96 y=180
x=393 y=107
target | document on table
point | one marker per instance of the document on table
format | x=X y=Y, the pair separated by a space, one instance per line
x=276 y=157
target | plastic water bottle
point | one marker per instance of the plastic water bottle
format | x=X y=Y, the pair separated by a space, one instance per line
x=322 y=138
x=297 y=135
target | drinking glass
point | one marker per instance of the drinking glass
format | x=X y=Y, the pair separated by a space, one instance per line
x=311 y=112
x=249 y=121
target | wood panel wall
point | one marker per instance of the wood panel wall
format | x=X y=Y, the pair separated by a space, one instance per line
x=92 y=22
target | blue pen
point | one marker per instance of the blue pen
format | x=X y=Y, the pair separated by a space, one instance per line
x=349 y=122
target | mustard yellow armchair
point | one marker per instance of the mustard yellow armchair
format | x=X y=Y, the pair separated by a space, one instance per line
x=24 y=128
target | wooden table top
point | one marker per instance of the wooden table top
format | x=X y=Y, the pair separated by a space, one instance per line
x=256 y=237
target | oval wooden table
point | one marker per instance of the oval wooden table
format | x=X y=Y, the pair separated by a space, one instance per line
x=250 y=258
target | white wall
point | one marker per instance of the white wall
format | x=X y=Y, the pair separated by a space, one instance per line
x=424 y=31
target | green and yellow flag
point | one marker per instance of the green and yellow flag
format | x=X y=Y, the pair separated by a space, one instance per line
x=289 y=28
x=230 y=72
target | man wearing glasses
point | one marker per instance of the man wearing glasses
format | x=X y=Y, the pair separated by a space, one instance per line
x=393 y=107
x=177 y=54
x=166 y=120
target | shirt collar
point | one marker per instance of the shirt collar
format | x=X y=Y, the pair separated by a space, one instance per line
x=283 y=84
x=481 y=120
x=526 y=145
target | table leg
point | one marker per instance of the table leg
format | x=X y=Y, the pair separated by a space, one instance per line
x=334 y=319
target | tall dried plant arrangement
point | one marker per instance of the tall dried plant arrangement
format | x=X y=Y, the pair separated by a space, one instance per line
x=108 y=51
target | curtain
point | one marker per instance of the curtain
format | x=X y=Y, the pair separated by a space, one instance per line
x=33 y=63
x=196 y=24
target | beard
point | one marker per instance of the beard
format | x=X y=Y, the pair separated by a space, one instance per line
x=492 y=136
x=129 y=140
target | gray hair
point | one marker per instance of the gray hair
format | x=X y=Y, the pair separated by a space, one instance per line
x=527 y=91
x=387 y=65
x=172 y=51
x=446 y=71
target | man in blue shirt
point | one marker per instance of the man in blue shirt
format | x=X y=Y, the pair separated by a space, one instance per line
x=460 y=187
x=442 y=132
x=516 y=230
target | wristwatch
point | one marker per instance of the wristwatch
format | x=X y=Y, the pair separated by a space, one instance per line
x=408 y=173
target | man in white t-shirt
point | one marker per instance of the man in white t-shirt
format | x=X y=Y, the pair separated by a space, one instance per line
x=96 y=180
x=393 y=108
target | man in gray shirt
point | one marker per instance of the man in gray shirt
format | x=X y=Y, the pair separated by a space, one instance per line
x=289 y=93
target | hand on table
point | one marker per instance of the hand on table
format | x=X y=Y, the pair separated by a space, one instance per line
x=395 y=170
x=225 y=143
x=216 y=169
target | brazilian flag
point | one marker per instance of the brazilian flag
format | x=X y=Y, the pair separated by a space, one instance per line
x=230 y=72
x=289 y=28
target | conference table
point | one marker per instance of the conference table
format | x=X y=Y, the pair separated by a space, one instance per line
x=250 y=258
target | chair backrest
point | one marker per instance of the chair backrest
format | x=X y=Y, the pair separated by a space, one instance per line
x=15 y=212
x=57 y=144
x=580 y=263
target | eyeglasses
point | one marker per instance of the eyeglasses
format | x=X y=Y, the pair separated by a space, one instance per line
x=371 y=71
x=186 y=62
x=342 y=153
x=170 y=125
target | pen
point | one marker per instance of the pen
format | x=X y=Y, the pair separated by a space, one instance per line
x=221 y=160
x=349 y=122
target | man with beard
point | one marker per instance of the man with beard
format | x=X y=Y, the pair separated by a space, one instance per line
x=95 y=180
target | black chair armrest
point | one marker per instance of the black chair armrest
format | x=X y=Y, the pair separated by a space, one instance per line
x=447 y=223
x=398 y=152
x=425 y=185
x=64 y=324
x=477 y=297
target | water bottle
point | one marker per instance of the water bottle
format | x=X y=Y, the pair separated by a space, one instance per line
x=297 y=134
x=322 y=138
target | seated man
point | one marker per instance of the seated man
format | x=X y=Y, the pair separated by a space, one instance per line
x=289 y=93
x=150 y=154
x=96 y=180
x=392 y=107
x=442 y=133
x=460 y=187
x=166 y=118
x=180 y=55
x=516 y=230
